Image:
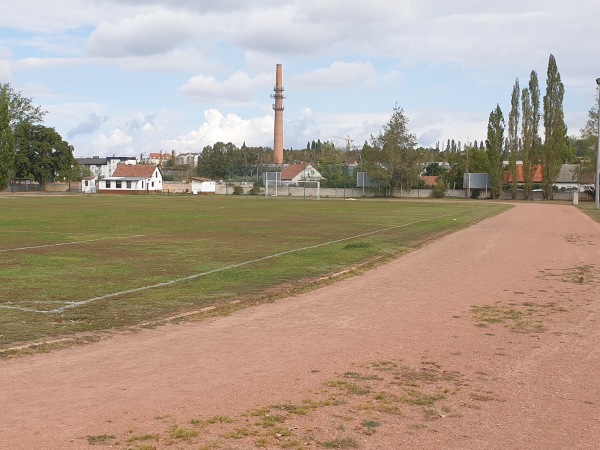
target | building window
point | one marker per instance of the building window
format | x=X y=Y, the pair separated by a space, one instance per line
x=142 y=184
x=129 y=185
x=118 y=184
x=86 y=183
x=153 y=184
x=107 y=184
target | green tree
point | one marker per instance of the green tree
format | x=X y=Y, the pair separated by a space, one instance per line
x=478 y=162
x=494 y=143
x=530 y=133
x=555 y=131
x=21 y=108
x=589 y=143
x=433 y=169
x=42 y=154
x=392 y=158
x=513 y=138
x=7 y=142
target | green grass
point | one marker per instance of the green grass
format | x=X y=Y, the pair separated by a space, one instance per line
x=112 y=244
x=590 y=210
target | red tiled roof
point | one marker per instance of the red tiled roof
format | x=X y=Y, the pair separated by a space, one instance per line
x=292 y=170
x=137 y=170
x=429 y=180
x=537 y=176
x=160 y=156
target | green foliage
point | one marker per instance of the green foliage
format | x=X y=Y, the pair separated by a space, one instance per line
x=589 y=142
x=555 y=130
x=391 y=158
x=7 y=141
x=477 y=160
x=42 y=154
x=513 y=138
x=433 y=169
x=21 y=108
x=226 y=161
x=494 y=143
x=238 y=190
x=439 y=190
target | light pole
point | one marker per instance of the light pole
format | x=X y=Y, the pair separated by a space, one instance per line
x=597 y=176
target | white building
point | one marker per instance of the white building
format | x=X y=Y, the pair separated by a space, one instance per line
x=132 y=179
x=203 y=185
x=300 y=172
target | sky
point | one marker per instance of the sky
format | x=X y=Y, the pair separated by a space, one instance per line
x=126 y=77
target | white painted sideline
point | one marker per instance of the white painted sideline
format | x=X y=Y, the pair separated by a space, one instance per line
x=70 y=243
x=232 y=266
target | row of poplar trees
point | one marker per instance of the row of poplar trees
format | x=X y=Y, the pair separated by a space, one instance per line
x=523 y=141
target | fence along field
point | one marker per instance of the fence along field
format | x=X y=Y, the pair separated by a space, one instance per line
x=87 y=263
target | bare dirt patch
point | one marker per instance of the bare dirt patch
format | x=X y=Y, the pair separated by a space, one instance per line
x=389 y=359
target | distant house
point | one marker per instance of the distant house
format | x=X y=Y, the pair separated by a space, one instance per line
x=508 y=179
x=160 y=159
x=300 y=172
x=133 y=179
x=567 y=177
x=202 y=185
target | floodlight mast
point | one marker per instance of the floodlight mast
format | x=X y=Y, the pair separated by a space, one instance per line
x=597 y=177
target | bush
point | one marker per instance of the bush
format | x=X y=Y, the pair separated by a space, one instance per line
x=238 y=190
x=255 y=189
x=439 y=190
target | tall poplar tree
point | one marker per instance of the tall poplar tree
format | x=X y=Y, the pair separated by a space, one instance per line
x=513 y=138
x=530 y=133
x=7 y=141
x=493 y=143
x=555 y=130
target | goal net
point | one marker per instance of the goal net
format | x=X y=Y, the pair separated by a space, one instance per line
x=305 y=189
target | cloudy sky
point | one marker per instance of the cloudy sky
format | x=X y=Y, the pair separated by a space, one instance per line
x=122 y=77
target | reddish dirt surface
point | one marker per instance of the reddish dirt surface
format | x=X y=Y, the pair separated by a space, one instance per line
x=395 y=358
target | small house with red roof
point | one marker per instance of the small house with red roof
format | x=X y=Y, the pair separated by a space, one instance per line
x=300 y=172
x=133 y=179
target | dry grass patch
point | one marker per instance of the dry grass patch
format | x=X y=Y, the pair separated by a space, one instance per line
x=525 y=317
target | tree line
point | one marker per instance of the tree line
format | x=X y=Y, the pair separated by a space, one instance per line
x=391 y=158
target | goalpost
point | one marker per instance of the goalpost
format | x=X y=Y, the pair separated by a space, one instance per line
x=276 y=188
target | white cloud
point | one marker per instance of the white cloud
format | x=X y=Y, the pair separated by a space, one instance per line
x=117 y=141
x=341 y=74
x=238 y=88
x=217 y=127
x=156 y=32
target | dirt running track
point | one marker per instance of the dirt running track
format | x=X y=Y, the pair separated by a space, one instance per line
x=396 y=358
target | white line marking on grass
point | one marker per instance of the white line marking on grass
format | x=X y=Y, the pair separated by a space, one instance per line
x=70 y=243
x=232 y=266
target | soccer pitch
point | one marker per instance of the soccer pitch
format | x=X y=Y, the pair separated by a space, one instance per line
x=86 y=263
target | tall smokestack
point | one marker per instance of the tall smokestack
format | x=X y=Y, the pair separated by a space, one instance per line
x=278 y=107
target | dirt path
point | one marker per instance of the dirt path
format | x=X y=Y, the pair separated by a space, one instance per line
x=396 y=358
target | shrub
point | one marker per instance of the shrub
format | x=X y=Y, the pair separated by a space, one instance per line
x=439 y=190
x=238 y=190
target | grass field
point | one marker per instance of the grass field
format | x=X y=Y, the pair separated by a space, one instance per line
x=87 y=263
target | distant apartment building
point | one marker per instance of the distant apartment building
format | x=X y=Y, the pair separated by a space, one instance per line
x=187 y=159
x=160 y=159
x=105 y=167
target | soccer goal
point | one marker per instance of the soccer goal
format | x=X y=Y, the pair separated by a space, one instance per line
x=306 y=189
